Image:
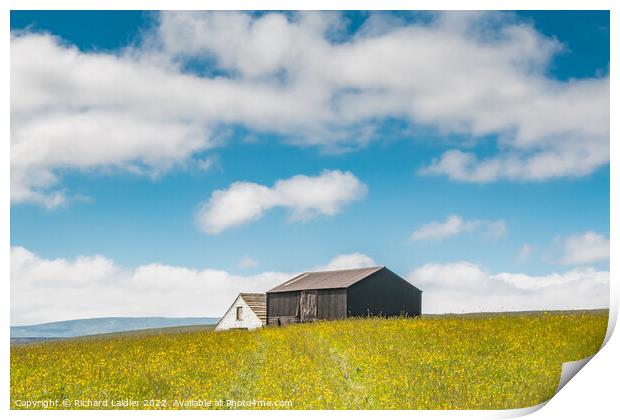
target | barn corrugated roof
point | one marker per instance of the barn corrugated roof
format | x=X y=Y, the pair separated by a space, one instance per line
x=336 y=279
x=257 y=303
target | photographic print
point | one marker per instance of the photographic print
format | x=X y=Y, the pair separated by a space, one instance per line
x=306 y=210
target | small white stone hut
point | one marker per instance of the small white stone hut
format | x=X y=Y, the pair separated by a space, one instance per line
x=248 y=312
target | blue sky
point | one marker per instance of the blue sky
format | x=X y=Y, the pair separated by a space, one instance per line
x=141 y=209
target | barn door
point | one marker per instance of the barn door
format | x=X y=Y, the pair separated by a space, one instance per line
x=307 y=306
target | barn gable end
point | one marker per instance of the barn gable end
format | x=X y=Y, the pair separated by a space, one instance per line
x=248 y=311
x=383 y=293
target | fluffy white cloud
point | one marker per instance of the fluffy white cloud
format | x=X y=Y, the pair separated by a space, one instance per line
x=346 y=261
x=557 y=161
x=466 y=287
x=306 y=196
x=455 y=225
x=82 y=111
x=47 y=290
x=141 y=110
x=499 y=88
x=585 y=248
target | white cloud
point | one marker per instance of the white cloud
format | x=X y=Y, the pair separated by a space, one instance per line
x=45 y=290
x=248 y=262
x=440 y=230
x=557 y=160
x=455 y=225
x=585 y=248
x=140 y=110
x=466 y=287
x=306 y=196
x=346 y=261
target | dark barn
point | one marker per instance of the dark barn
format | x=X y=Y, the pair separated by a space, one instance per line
x=374 y=291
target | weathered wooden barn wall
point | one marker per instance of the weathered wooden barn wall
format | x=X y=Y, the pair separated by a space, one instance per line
x=332 y=304
x=383 y=294
x=282 y=308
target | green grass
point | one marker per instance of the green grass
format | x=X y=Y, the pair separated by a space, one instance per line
x=483 y=361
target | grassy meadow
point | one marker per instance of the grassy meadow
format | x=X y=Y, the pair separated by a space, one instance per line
x=480 y=361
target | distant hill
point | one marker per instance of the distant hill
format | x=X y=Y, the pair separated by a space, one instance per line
x=80 y=327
